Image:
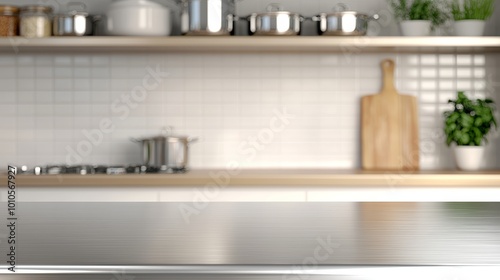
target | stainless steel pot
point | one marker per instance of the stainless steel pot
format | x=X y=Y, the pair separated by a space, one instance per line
x=166 y=151
x=207 y=17
x=343 y=23
x=275 y=22
x=76 y=22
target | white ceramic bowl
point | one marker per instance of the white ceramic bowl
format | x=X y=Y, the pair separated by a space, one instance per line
x=138 y=18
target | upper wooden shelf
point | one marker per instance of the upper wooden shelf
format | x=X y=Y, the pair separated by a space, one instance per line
x=240 y=44
x=269 y=177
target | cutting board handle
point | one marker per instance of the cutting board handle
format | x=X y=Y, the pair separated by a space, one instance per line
x=388 y=87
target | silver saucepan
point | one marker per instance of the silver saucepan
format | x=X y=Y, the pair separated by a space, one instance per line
x=75 y=22
x=166 y=151
x=342 y=22
x=275 y=22
x=205 y=17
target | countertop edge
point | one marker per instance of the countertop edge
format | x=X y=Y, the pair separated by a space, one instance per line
x=284 y=178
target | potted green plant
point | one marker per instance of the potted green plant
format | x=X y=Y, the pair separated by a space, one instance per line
x=467 y=125
x=470 y=16
x=419 y=17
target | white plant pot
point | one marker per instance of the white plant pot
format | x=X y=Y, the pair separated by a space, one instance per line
x=469 y=158
x=469 y=27
x=416 y=27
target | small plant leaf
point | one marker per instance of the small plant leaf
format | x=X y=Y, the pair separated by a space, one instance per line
x=465 y=139
x=478 y=122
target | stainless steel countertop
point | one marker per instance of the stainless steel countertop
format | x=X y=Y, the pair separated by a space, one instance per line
x=254 y=236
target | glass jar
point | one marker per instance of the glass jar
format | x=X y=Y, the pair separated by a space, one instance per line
x=9 y=21
x=36 y=21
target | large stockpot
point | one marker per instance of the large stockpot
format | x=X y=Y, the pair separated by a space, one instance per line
x=166 y=151
x=343 y=23
x=207 y=17
x=275 y=22
x=76 y=22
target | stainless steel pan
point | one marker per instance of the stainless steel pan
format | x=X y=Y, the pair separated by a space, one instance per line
x=166 y=151
x=275 y=22
x=342 y=22
x=75 y=22
x=207 y=17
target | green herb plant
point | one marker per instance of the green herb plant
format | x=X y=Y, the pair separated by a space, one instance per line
x=470 y=121
x=435 y=11
x=472 y=9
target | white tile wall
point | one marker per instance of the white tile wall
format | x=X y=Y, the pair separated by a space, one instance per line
x=49 y=103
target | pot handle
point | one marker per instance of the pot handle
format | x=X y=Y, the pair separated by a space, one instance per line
x=146 y=153
x=274 y=7
x=96 y=18
x=166 y=130
x=340 y=7
x=135 y=140
x=193 y=139
x=374 y=17
x=314 y=18
x=74 y=7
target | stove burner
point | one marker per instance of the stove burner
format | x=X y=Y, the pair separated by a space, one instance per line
x=99 y=169
x=79 y=169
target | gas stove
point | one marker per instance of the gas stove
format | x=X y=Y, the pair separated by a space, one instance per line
x=97 y=169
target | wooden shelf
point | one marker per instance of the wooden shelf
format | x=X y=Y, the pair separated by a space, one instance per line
x=288 y=178
x=246 y=44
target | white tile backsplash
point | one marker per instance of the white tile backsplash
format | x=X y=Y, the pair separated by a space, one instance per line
x=287 y=110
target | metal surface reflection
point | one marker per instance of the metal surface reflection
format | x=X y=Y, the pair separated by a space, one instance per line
x=273 y=272
x=282 y=22
x=214 y=15
x=258 y=236
x=348 y=23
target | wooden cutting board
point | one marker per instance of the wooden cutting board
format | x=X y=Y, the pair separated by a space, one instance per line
x=389 y=127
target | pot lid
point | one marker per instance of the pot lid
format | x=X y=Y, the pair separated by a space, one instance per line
x=168 y=138
x=345 y=13
x=72 y=14
x=135 y=4
x=274 y=10
x=341 y=9
x=9 y=10
x=166 y=135
x=74 y=9
x=37 y=8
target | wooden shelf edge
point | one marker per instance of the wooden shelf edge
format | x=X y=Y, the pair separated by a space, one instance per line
x=245 y=44
x=265 y=178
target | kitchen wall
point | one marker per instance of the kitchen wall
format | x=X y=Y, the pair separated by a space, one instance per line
x=239 y=105
x=261 y=110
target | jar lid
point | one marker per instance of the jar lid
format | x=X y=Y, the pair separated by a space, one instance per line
x=37 y=8
x=9 y=10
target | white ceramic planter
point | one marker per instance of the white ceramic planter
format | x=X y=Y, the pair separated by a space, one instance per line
x=469 y=27
x=469 y=158
x=416 y=27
